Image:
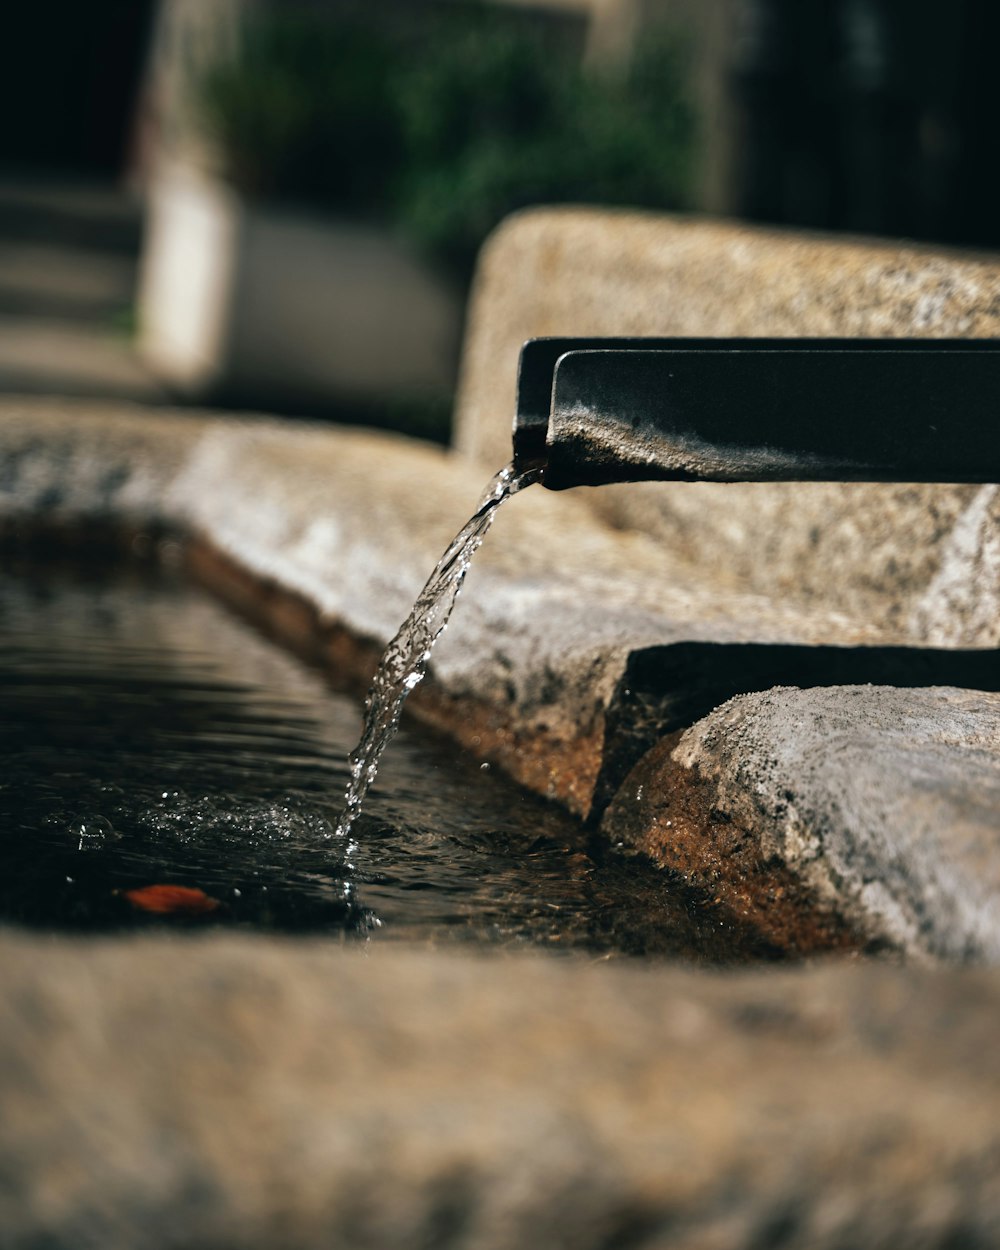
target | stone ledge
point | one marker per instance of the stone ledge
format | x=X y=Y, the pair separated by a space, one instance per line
x=819 y=813
x=247 y=1093
x=575 y=647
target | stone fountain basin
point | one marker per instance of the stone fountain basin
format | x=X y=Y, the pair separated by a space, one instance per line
x=249 y=1091
x=590 y=663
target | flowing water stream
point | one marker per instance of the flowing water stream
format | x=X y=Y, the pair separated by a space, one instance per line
x=404 y=661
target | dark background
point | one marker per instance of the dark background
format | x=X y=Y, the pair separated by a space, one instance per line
x=69 y=78
x=878 y=116
x=875 y=116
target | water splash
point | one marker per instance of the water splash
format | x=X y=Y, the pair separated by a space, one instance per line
x=404 y=661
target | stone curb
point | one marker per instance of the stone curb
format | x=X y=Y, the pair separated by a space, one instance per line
x=245 y=1093
x=819 y=814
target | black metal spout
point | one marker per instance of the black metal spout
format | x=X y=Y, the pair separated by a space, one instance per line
x=866 y=410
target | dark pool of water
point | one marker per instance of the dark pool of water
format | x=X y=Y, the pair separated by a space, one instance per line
x=149 y=737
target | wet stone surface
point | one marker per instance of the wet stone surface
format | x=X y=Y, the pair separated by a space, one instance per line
x=839 y=816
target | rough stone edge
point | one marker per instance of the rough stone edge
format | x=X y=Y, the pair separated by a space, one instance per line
x=554 y=766
x=231 y=1091
x=756 y=804
x=672 y=813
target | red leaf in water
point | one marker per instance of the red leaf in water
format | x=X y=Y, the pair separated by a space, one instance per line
x=169 y=900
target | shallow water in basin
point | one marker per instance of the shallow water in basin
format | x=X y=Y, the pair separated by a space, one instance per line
x=149 y=737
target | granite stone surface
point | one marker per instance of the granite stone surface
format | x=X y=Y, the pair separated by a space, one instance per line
x=574 y=649
x=902 y=557
x=875 y=806
x=245 y=1093
x=69 y=460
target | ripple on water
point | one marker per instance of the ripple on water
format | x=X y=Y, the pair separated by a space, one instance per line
x=150 y=737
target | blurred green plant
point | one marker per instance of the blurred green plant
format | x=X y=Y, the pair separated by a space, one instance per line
x=302 y=113
x=446 y=136
x=496 y=121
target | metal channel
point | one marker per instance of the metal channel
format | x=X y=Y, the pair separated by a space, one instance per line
x=602 y=410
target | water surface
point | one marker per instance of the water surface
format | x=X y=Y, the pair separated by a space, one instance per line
x=150 y=737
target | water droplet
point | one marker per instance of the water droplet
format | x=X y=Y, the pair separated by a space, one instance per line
x=92 y=833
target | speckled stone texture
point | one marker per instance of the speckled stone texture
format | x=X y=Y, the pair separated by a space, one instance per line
x=575 y=647
x=249 y=1094
x=916 y=559
x=67 y=460
x=874 y=806
x=350 y=523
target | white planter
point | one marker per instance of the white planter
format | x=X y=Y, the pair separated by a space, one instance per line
x=254 y=302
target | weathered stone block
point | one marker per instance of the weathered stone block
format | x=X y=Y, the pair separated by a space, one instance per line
x=880 y=553
x=816 y=813
x=574 y=649
x=251 y=1094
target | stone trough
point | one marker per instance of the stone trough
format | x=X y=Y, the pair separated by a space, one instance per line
x=784 y=693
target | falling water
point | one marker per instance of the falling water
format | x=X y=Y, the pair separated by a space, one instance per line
x=405 y=659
